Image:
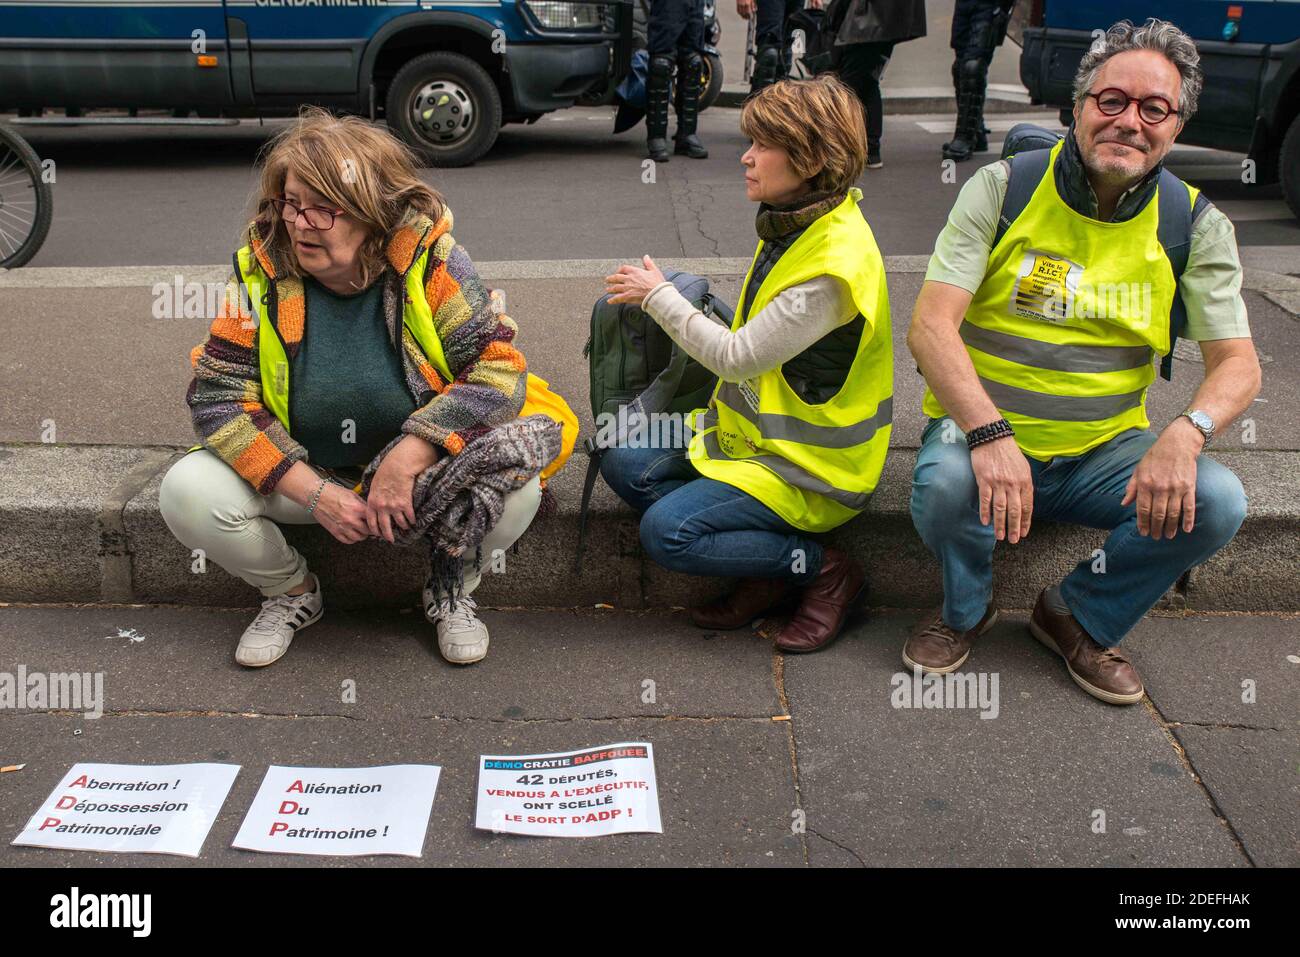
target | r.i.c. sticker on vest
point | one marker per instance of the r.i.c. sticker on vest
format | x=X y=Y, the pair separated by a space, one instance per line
x=1045 y=287
x=751 y=397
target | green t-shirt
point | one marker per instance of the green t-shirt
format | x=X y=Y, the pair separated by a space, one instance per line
x=348 y=395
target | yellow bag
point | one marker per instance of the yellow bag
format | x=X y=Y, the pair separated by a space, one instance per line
x=541 y=399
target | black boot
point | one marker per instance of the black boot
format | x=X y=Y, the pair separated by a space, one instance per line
x=688 y=107
x=767 y=66
x=658 y=81
x=970 y=107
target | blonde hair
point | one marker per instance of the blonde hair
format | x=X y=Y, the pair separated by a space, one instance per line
x=360 y=168
x=820 y=125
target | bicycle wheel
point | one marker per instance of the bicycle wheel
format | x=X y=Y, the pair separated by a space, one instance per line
x=26 y=201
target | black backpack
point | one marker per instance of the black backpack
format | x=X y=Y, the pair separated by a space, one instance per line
x=635 y=365
x=1027 y=148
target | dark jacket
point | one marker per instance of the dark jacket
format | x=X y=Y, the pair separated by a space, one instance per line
x=881 y=21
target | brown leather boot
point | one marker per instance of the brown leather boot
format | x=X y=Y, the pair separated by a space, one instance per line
x=749 y=599
x=825 y=605
x=1102 y=672
x=937 y=649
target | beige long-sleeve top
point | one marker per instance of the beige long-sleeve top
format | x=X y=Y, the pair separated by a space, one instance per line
x=795 y=319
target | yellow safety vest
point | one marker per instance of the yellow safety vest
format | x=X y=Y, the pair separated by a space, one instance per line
x=1064 y=328
x=417 y=316
x=814 y=465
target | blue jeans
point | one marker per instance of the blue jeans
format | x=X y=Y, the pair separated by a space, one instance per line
x=701 y=526
x=1085 y=490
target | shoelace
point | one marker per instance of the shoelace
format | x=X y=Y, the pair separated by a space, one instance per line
x=276 y=610
x=938 y=629
x=459 y=617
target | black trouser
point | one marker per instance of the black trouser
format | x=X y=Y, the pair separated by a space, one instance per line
x=676 y=27
x=976 y=32
x=860 y=66
x=771 y=31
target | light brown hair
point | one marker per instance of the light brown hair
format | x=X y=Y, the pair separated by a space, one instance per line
x=818 y=122
x=360 y=168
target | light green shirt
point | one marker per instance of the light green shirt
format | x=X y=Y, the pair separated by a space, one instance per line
x=1210 y=285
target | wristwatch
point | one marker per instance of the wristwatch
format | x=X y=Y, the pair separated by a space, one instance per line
x=1202 y=421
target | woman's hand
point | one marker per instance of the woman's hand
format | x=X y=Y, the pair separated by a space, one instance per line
x=342 y=513
x=389 y=502
x=745 y=8
x=631 y=284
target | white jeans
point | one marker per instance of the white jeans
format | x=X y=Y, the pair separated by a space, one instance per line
x=208 y=505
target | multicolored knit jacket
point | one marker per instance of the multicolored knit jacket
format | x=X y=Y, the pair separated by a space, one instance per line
x=489 y=374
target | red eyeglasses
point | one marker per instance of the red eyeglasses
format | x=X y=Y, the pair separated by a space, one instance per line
x=317 y=217
x=1152 y=109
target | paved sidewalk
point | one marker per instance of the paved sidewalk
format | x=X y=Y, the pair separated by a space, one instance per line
x=1195 y=778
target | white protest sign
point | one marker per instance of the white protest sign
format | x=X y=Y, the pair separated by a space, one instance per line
x=139 y=808
x=346 y=811
x=607 y=790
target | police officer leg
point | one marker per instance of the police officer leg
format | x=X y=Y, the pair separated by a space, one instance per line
x=689 y=74
x=970 y=102
x=768 y=35
x=658 y=81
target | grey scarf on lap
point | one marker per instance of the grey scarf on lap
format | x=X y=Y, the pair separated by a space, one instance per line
x=460 y=498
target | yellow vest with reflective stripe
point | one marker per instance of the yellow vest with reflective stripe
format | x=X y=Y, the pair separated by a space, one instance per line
x=1064 y=328
x=417 y=316
x=814 y=465
x=274 y=361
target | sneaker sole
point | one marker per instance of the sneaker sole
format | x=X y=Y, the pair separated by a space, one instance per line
x=464 y=661
x=1110 y=697
x=310 y=621
x=927 y=670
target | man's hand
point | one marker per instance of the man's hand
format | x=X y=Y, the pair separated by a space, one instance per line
x=1006 y=487
x=745 y=8
x=389 y=502
x=816 y=4
x=342 y=513
x=1164 y=482
x=631 y=284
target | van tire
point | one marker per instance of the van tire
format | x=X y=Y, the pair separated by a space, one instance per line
x=471 y=90
x=1289 y=167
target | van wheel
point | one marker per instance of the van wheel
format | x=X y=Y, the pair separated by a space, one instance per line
x=1289 y=167
x=445 y=107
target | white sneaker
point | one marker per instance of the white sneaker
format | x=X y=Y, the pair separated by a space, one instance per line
x=268 y=637
x=462 y=638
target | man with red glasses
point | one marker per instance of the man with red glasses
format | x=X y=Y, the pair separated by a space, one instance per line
x=1058 y=279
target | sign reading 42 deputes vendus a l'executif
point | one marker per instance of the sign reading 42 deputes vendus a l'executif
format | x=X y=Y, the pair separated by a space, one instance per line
x=587 y=793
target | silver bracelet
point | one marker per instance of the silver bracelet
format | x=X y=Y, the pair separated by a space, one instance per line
x=315 y=498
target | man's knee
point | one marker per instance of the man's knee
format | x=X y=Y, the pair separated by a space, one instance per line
x=944 y=490
x=1220 y=501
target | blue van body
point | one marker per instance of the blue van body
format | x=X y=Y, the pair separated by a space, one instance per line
x=1250 y=55
x=267 y=57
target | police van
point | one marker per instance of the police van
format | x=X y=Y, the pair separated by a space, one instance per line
x=1250 y=55
x=444 y=74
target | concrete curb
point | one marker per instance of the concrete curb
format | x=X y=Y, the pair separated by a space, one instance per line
x=81 y=524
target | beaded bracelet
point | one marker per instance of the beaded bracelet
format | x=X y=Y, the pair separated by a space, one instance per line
x=998 y=429
x=315 y=498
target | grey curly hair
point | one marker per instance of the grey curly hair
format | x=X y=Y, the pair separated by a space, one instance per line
x=1159 y=35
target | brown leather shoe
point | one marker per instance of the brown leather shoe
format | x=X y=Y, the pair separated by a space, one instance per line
x=937 y=649
x=1102 y=672
x=748 y=600
x=825 y=605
